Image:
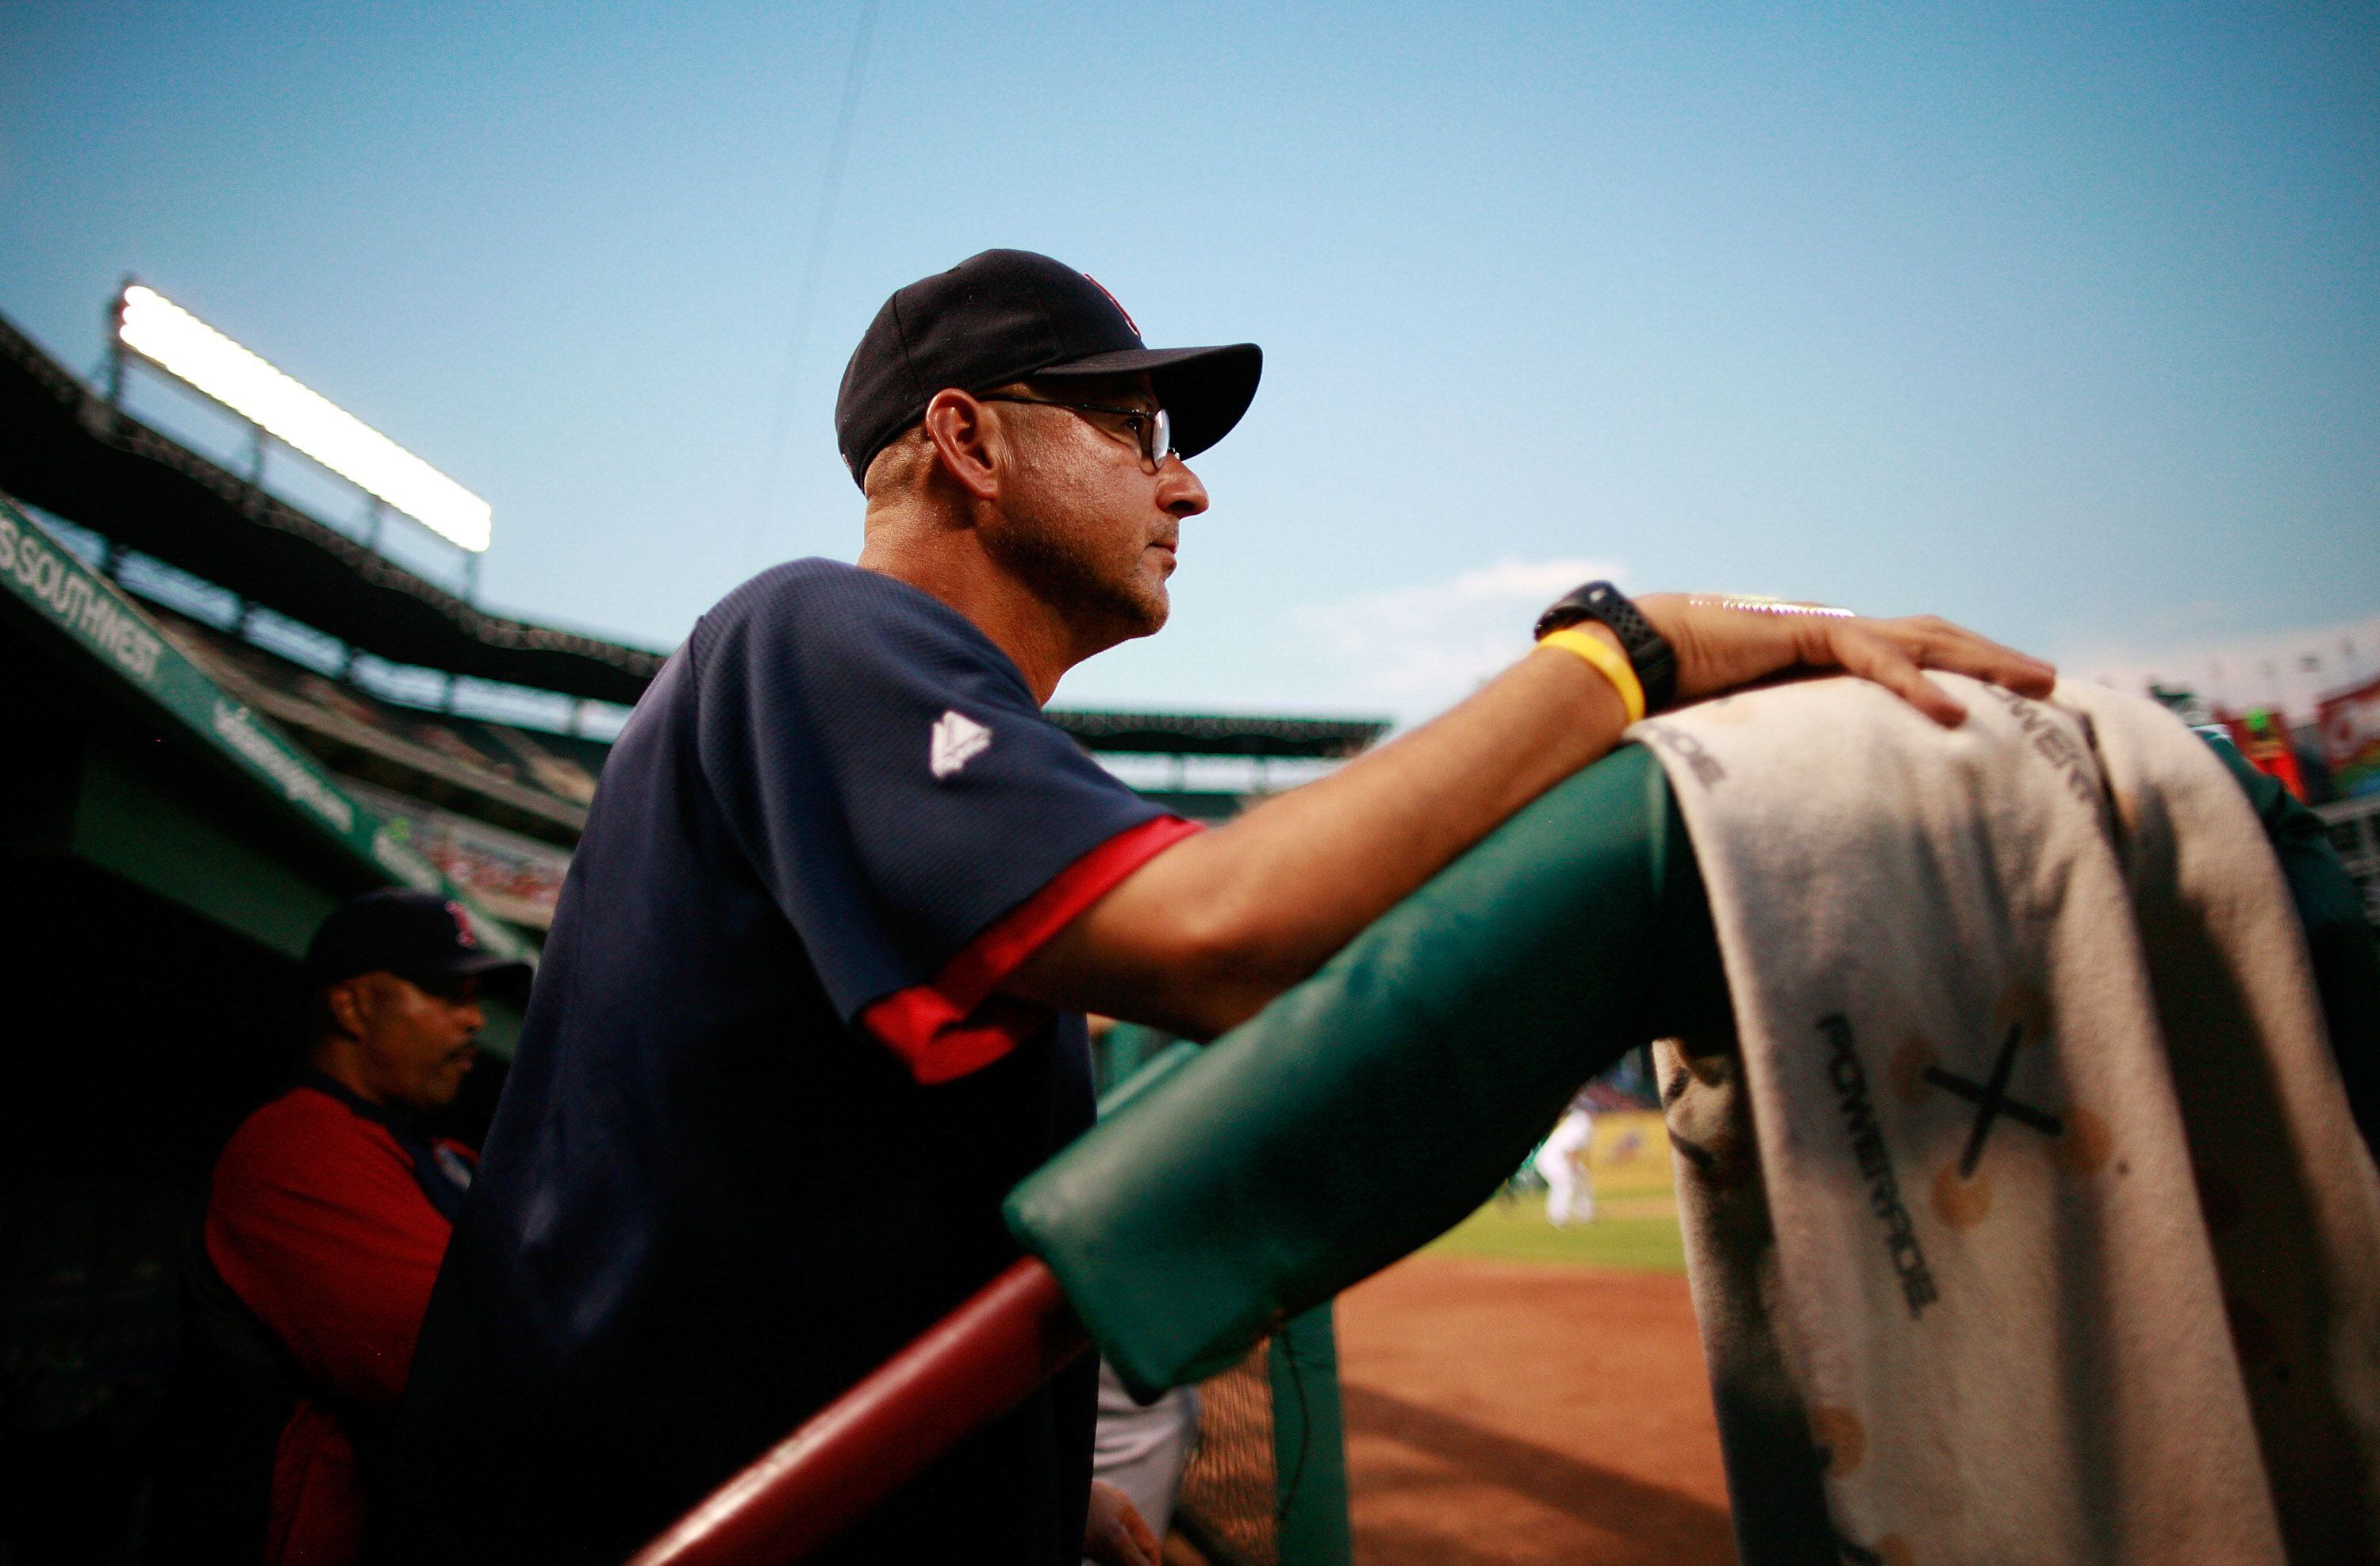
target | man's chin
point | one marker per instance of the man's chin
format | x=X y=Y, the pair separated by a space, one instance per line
x=1134 y=612
x=1153 y=615
x=444 y=1088
x=1155 y=600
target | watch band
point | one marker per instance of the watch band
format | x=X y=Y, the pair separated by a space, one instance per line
x=1649 y=652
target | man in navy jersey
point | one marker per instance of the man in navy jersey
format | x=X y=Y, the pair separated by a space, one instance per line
x=845 y=891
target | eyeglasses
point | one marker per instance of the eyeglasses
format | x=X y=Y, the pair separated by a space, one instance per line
x=1154 y=430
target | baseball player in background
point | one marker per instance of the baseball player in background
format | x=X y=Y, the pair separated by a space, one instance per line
x=1570 y=1185
x=844 y=889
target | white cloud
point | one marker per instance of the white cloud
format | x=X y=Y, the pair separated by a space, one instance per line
x=1421 y=648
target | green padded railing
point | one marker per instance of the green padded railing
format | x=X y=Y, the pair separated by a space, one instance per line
x=1376 y=1105
x=1310 y=1519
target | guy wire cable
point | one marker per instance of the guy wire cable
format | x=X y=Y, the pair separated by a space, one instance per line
x=806 y=296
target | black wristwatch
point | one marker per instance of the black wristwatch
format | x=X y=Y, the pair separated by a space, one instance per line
x=1648 y=651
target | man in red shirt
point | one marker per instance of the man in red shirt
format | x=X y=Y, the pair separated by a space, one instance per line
x=326 y=1218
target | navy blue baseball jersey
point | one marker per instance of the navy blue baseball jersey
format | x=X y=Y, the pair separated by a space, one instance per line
x=768 y=1098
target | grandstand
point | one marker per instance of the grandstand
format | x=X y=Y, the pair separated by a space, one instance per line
x=2354 y=827
x=236 y=712
x=2347 y=743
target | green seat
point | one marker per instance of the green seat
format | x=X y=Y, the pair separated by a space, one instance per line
x=1373 y=1107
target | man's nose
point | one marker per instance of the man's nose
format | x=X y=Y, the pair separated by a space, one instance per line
x=469 y=1014
x=1178 y=488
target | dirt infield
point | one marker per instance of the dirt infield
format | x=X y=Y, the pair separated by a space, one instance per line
x=1515 y=1412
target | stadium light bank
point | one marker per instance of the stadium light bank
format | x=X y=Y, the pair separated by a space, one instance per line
x=188 y=350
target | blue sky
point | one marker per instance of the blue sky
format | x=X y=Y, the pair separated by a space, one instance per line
x=2064 y=324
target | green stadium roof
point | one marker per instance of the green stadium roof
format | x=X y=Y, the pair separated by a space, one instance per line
x=1190 y=734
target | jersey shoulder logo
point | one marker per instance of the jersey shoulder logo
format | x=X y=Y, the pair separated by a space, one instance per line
x=958 y=739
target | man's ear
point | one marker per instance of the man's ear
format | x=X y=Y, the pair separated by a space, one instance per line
x=966 y=437
x=345 y=1002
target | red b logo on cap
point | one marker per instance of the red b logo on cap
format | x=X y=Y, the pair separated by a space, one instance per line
x=463 y=926
x=1102 y=287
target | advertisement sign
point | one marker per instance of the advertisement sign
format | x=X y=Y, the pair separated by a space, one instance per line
x=2350 y=739
x=97 y=615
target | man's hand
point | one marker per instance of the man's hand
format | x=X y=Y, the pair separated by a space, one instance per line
x=1719 y=648
x=1114 y=1534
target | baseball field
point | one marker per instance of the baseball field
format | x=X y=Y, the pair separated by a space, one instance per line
x=1519 y=1394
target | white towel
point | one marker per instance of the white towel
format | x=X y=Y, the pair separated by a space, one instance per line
x=1996 y=991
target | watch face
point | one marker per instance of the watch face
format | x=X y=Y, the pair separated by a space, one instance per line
x=1649 y=652
x=1579 y=603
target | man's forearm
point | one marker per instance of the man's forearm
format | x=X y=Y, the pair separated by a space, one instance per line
x=1204 y=935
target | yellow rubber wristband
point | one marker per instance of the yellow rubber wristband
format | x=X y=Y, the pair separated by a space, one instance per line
x=1608 y=660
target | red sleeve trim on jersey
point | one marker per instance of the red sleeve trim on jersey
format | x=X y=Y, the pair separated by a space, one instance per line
x=956 y=1025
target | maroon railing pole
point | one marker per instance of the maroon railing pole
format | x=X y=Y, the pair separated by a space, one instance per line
x=972 y=1366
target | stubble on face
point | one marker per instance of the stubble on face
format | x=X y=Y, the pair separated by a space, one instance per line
x=423 y=1042
x=1079 y=526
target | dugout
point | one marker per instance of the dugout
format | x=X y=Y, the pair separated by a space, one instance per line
x=164 y=853
x=232 y=713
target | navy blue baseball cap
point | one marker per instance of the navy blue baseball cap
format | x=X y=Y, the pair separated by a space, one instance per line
x=1012 y=315
x=415 y=935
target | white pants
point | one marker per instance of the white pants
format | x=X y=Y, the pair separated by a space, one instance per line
x=1570 y=1192
x=1142 y=1451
